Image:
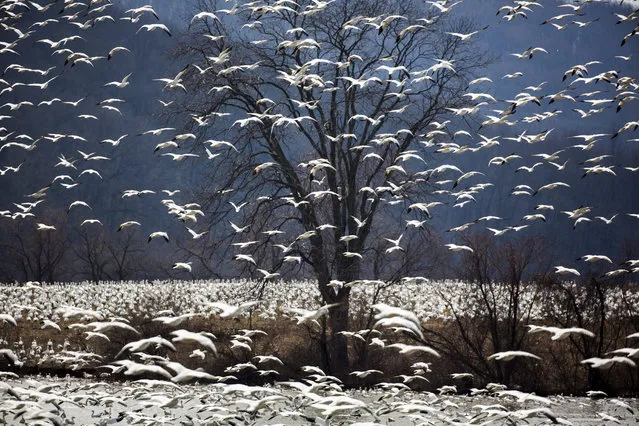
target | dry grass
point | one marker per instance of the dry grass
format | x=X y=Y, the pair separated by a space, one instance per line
x=559 y=371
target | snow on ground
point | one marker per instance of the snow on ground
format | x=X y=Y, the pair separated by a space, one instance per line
x=88 y=401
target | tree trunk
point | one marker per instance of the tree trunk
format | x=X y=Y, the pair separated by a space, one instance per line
x=339 y=364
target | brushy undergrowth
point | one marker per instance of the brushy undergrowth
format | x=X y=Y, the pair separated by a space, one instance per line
x=137 y=304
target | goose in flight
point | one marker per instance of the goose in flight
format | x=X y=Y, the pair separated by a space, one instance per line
x=442 y=64
x=365 y=373
x=606 y=220
x=114 y=142
x=529 y=53
x=351 y=254
x=158 y=234
x=629 y=352
x=560 y=167
x=467 y=36
x=499 y=232
x=42 y=86
x=458 y=376
x=529 y=169
x=480 y=80
x=510 y=355
x=577 y=213
x=179 y=157
x=409 y=349
x=120 y=84
x=43 y=227
x=457 y=248
x=627 y=126
x=183 y=265
x=597 y=170
x=582 y=24
x=533 y=217
x=202 y=338
x=238 y=229
x=562 y=270
x=608 y=363
x=238 y=207
x=173 y=321
x=244 y=244
x=115 y=50
x=142 y=344
x=549 y=157
x=500 y=161
x=78 y=203
x=165 y=145
x=415 y=223
x=100 y=327
x=139 y=11
x=260 y=167
x=461 y=228
x=14 y=107
x=560 y=333
x=293 y=259
x=204 y=16
x=395 y=242
x=132 y=368
x=245 y=257
x=513 y=75
x=156 y=132
x=217 y=144
x=128 y=224
x=153 y=27
x=184 y=375
x=268 y=275
x=230 y=311
x=304 y=315
x=595 y=258
x=551 y=186
x=26 y=147
x=478 y=96
x=358 y=222
x=615 y=272
x=443 y=6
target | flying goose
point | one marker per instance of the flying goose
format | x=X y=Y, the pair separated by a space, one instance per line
x=158 y=234
x=179 y=157
x=510 y=355
x=562 y=270
x=153 y=27
x=120 y=84
x=128 y=224
x=457 y=248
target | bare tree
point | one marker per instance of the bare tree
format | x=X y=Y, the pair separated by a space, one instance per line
x=501 y=274
x=588 y=303
x=329 y=108
x=125 y=254
x=92 y=254
x=37 y=255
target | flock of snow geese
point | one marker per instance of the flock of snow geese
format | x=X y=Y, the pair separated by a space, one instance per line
x=318 y=397
x=161 y=389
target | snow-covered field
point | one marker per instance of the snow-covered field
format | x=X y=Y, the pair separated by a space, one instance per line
x=429 y=299
x=57 y=322
x=82 y=401
x=68 y=326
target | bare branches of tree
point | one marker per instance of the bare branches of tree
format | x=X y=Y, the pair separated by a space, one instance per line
x=322 y=117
